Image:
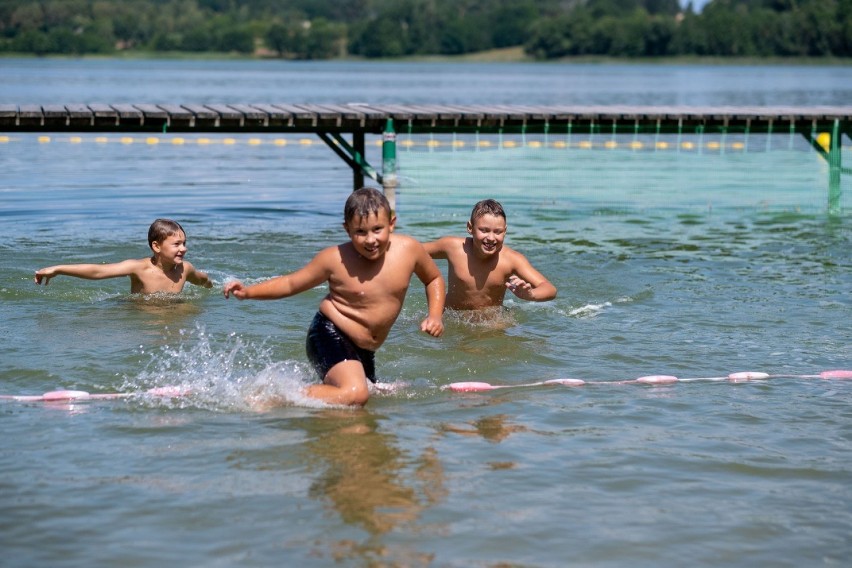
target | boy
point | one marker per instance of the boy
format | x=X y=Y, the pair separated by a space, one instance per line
x=165 y=271
x=481 y=268
x=367 y=277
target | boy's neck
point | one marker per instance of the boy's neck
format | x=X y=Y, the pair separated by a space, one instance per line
x=158 y=262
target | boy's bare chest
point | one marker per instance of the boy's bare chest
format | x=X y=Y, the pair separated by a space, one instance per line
x=155 y=280
x=480 y=275
x=370 y=287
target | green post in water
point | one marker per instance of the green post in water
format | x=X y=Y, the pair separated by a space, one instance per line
x=389 y=178
x=835 y=167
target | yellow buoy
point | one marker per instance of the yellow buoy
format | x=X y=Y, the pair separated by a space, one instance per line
x=824 y=140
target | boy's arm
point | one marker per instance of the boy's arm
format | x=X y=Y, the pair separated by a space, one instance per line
x=87 y=271
x=312 y=274
x=438 y=248
x=527 y=283
x=198 y=277
x=428 y=273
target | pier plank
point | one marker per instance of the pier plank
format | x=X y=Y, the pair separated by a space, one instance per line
x=301 y=117
x=8 y=116
x=129 y=116
x=253 y=117
x=55 y=115
x=276 y=117
x=385 y=111
x=30 y=115
x=80 y=115
x=103 y=116
x=203 y=117
x=229 y=118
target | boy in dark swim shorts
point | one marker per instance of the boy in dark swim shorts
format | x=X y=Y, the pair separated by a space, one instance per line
x=367 y=277
x=327 y=346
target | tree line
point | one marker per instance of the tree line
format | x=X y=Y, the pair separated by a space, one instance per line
x=325 y=29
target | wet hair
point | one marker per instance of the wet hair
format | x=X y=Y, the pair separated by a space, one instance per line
x=487 y=207
x=364 y=202
x=161 y=229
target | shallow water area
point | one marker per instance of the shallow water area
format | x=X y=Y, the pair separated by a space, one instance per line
x=694 y=266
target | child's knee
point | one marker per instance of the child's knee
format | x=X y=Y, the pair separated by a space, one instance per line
x=359 y=395
x=349 y=377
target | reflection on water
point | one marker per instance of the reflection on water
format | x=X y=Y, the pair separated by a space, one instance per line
x=370 y=483
x=494 y=428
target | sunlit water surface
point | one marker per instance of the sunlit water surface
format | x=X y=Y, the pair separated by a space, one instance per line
x=685 y=267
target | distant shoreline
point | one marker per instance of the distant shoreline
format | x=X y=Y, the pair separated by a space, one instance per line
x=506 y=55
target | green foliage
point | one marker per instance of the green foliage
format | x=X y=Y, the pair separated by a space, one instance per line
x=630 y=28
x=319 y=29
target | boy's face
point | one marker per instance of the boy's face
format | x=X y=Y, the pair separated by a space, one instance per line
x=371 y=235
x=171 y=249
x=488 y=232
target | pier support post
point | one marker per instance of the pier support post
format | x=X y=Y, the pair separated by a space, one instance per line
x=358 y=173
x=353 y=155
x=835 y=167
x=389 y=177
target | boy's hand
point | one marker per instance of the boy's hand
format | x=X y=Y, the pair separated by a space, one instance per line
x=520 y=288
x=45 y=274
x=236 y=288
x=433 y=326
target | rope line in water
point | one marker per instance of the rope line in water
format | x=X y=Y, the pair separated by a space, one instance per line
x=72 y=395
x=470 y=386
x=743 y=376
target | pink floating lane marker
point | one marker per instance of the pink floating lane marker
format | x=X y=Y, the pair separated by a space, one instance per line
x=51 y=396
x=655 y=380
x=743 y=376
x=752 y=375
x=836 y=374
x=474 y=386
x=470 y=386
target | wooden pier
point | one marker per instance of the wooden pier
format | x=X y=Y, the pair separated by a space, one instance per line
x=331 y=121
x=371 y=119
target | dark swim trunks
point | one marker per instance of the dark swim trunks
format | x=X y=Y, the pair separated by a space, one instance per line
x=327 y=346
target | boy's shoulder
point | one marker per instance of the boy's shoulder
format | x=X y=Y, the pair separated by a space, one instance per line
x=511 y=254
x=139 y=263
x=449 y=242
x=403 y=242
x=403 y=238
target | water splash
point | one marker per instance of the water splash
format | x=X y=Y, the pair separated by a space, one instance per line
x=222 y=374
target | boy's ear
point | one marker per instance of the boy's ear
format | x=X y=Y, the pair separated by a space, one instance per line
x=392 y=224
x=155 y=246
x=470 y=227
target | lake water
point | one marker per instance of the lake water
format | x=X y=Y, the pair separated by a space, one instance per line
x=695 y=264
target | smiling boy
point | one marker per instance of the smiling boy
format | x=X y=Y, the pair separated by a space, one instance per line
x=367 y=277
x=482 y=268
x=165 y=271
